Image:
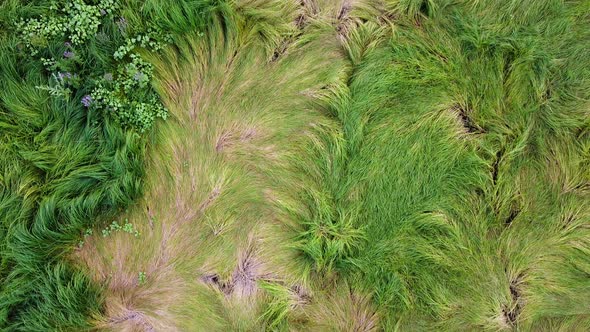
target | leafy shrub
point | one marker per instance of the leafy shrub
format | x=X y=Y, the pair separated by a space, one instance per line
x=75 y=19
x=124 y=93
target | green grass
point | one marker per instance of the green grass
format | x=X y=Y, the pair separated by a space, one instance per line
x=63 y=167
x=327 y=165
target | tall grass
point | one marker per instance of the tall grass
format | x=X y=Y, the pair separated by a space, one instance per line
x=460 y=125
x=367 y=165
x=217 y=240
x=62 y=167
x=58 y=175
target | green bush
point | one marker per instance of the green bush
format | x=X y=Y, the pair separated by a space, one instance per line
x=62 y=36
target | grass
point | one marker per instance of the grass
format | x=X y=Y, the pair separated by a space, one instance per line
x=368 y=165
x=222 y=166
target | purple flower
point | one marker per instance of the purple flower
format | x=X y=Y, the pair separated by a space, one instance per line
x=62 y=75
x=138 y=76
x=86 y=100
x=68 y=54
x=67 y=44
x=108 y=77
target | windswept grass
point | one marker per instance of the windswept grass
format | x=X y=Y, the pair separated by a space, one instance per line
x=457 y=122
x=58 y=175
x=327 y=165
x=62 y=167
x=221 y=192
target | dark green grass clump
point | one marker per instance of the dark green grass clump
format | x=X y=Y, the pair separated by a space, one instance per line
x=465 y=166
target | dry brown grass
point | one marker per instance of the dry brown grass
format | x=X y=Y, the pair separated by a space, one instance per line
x=341 y=309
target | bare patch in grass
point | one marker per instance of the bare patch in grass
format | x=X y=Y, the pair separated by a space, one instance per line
x=301 y=295
x=464 y=116
x=136 y=318
x=243 y=281
x=300 y=21
x=343 y=20
x=514 y=212
x=214 y=280
x=279 y=51
x=511 y=312
x=307 y=11
x=248 y=270
x=496 y=166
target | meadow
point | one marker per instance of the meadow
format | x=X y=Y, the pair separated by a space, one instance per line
x=295 y=165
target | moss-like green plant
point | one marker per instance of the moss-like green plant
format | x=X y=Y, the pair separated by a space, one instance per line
x=116 y=227
x=141 y=278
